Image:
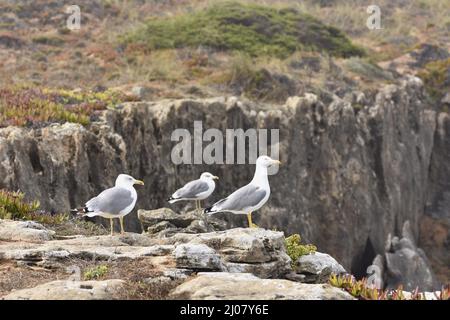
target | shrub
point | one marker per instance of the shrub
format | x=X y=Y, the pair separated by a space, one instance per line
x=295 y=249
x=96 y=272
x=253 y=29
x=13 y=206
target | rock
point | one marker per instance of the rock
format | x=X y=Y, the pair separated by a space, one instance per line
x=253 y=250
x=405 y=264
x=231 y=286
x=197 y=257
x=166 y=222
x=143 y=93
x=51 y=254
x=317 y=267
x=24 y=231
x=446 y=99
x=69 y=290
x=177 y=274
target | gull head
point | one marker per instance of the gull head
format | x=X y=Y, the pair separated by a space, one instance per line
x=124 y=180
x=207 y=175
x=266 y=161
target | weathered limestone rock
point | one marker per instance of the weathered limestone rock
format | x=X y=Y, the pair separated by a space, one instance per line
x=230 y=286
x=165 y=222
x=197 y=256
x=405 y=264
x=317 y=267
x=24 y=231
x=257 y=250
x=51 y=253
x=69 y=290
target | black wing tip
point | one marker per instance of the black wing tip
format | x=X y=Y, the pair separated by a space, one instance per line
x=207 y=210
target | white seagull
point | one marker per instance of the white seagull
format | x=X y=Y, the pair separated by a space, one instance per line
x=115 y=202
x=197 y=190
x=250 y=197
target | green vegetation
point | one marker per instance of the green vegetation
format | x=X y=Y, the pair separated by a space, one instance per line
x=362 y=290
x=13 y=206
x=436 y=77
x=295 y=249
x=96 y=272
x=22 y=106
x=253 y=29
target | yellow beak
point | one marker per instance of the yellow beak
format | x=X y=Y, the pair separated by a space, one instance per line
x=277 y=162
x=139 y=182
x=216 y=177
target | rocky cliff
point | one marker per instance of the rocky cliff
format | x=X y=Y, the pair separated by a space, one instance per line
x=354 y=170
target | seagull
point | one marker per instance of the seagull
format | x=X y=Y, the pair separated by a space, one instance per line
x=197 y=190
x=250 y=197
x=115 y=202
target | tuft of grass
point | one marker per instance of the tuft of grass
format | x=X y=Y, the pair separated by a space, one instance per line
x=295 y=249
x=23 y=106
x=96 y=272
x=253 y=29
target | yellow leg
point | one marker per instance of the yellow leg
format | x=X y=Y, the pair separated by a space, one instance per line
x=112 y=226
x=122 y=229
x=250 y=223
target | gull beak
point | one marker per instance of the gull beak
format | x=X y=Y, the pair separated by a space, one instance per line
x=215 y=178
x=278 y=162
x=139 y=182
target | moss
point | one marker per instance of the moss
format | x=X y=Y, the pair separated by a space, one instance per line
x=96 y=272
x=295 y=249
x=254 y=29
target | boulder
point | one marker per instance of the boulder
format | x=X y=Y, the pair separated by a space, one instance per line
x=405 y=264
x=24 y=231
x=232 y=286
x=253 y=250
x=69 y=290
x=317 y=267
x=197 y=257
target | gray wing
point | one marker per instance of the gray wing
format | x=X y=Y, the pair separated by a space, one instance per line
x=112 y=200
x=191 y=189
x=243 y=198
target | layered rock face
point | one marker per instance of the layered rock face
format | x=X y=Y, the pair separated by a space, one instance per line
x=353 y=171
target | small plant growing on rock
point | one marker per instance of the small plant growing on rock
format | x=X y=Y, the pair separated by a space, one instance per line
x=362 y=290
x=295 y=249
x=13 y=205
x=96 y=272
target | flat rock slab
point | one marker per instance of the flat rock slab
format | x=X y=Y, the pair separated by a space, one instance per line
x=231 y=286
x=69 y=290
x=29 y=231
x=129 y=246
